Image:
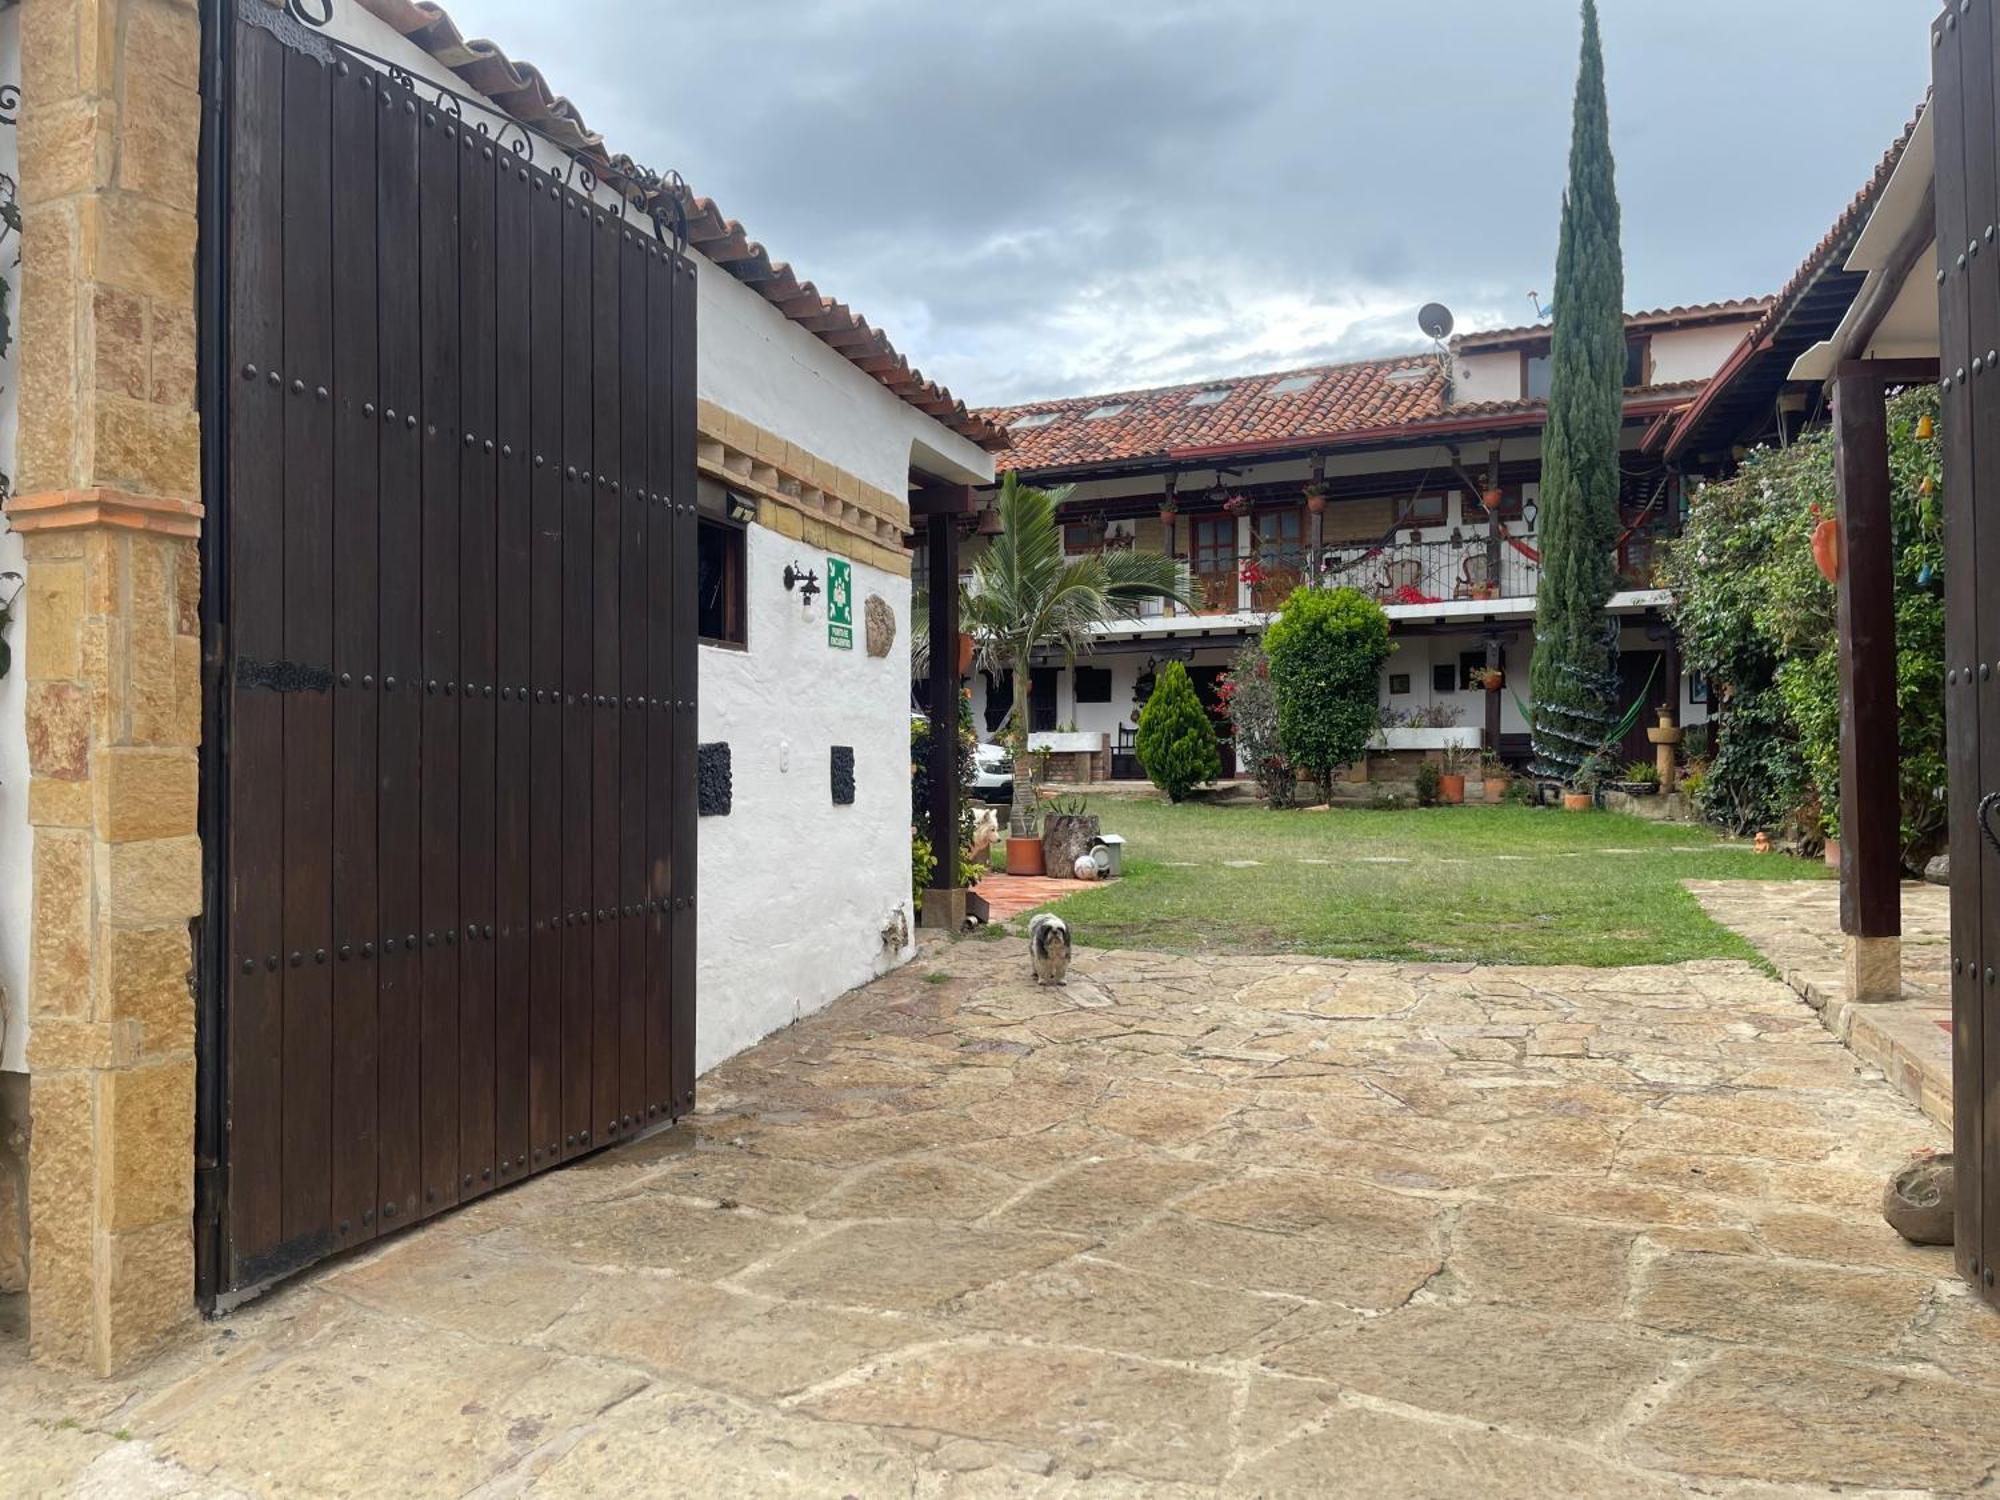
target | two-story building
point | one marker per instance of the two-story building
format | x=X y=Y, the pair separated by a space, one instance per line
x=1413 y=478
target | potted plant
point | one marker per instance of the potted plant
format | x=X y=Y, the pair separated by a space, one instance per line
x=1642 y=779
x=1236 y=504
x=1316 y=496
x=1493 y=773
x=1069 y=829
x=1487 y=679
x=1581 y=794
x=1451 y=777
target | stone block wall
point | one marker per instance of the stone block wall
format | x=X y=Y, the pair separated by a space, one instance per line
x=107 y=504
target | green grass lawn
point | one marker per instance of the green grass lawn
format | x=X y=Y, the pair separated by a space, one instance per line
x=1505 y=884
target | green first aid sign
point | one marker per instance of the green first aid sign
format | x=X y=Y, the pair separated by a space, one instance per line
x=840 y=603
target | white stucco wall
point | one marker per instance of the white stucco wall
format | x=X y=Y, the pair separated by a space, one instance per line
x=766 y=369
x=795 y=890
x=1694 y=353
x=16 y=838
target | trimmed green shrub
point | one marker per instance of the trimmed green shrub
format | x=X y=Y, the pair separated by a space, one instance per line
x=1176 y=743
x=1327 y=647
x=1429 y=784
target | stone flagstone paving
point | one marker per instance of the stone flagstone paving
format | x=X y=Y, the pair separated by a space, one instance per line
x=1187 y=1227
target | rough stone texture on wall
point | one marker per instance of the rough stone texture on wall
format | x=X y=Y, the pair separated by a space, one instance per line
x=881 y=625
x=107 y=505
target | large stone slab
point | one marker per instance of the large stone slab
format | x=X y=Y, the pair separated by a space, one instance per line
x=1475 y=1362
x=1786 y=1417
x=1738 y=1299
x=1149 y=1420
x=906 y=1267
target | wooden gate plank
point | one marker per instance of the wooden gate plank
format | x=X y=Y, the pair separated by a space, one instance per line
x=437 y=145
x=578 y=958
x=1966 y=746
x=513 y=584
x=606 y=1070
x=355 y=543
x=686 y=626
x=1982 y=171
x=478 y=658
x=399 y=806
x=632 y=716
x=255 y=1020
x=660 y=593
x=308 y=554
x=545 y=627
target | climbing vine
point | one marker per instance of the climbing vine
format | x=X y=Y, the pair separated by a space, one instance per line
x=1756 y=618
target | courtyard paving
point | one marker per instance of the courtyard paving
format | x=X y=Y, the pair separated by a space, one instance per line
x=1796 y=926
x=1186 y=1227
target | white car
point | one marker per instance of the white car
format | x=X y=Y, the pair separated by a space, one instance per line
x=993 y=774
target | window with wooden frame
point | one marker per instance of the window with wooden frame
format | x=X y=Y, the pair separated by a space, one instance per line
x=1423 y=510
x=1214 y=561
x=1638 y=368
x=1093 y=684
x=1444 y=677
x=719 y=594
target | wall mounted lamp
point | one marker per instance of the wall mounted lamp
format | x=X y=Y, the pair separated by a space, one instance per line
x=806 y=583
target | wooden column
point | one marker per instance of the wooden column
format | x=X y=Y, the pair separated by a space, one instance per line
x=1494 y=657
x=1870 y=804
x=941 y=506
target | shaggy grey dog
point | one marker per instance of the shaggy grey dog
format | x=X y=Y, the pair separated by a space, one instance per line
x=1048 y=944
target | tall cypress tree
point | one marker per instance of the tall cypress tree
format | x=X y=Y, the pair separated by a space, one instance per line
x=1574 y=677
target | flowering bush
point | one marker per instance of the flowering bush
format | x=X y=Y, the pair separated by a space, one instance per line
x=1248 y=698
x=1756 y=618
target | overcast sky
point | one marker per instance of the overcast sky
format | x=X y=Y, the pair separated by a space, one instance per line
x=1048 y=197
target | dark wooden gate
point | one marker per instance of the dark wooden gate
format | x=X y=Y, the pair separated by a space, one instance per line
x=1968 y=207
x=452 y=666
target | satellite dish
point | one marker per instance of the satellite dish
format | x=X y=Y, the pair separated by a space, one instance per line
x=1435 y=320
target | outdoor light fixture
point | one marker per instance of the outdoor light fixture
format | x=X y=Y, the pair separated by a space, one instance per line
x=794 y=578
x=742 y=511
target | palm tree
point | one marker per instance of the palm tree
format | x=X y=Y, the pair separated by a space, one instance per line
x=1026 y=596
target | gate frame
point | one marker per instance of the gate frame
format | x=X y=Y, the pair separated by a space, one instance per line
x=660 y=200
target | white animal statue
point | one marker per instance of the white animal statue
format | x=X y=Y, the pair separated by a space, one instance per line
x=1048 y=946
x=985 y=833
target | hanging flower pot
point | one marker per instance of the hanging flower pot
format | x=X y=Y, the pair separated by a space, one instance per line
x=1316 y=498
x=1826 y=549
x=1491 y=500
x=1236 y=504
x=1168 y=515
x=1926 y=428
x=964 y=653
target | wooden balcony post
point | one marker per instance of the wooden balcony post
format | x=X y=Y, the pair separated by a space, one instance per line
x=1870 y=805
x=941 y=506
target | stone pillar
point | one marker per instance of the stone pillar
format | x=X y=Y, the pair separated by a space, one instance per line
x=107 y=504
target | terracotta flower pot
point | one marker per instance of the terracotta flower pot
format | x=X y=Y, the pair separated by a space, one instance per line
x=1024 y=856
x=1451 y=788
x=964 y=653
x=1496 y=788
x=1833 y=853
x=1316 y=504
x=1576 y=801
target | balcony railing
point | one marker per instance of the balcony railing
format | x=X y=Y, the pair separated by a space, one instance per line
x=1398 y=572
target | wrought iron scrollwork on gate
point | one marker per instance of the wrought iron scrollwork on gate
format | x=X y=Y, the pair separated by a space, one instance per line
x=661 y=197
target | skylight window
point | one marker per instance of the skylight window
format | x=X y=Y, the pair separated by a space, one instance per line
x=1407 y=377
x=1098 y=414
x=1291 y=385
x=1208 y=398
x=1038 y=419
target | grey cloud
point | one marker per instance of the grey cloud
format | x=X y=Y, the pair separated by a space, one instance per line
x=1046 y=197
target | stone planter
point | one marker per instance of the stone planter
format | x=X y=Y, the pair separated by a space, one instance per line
x=1024 y=856
x=1451 y=789
x=1066 y=837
